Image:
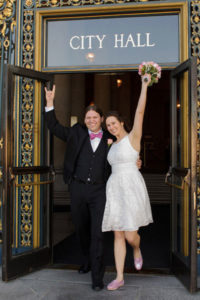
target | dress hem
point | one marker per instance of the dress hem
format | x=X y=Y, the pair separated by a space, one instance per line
x=132 y=229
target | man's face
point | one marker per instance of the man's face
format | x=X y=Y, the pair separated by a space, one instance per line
x=93 y=121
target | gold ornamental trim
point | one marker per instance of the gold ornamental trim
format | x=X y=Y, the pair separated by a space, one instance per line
x=6 y=12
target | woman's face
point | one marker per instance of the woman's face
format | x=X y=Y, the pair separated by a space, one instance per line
x=114 y=126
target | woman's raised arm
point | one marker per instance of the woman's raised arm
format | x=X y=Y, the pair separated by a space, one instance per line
x=136 y=133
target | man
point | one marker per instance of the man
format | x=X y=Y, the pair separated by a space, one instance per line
x=86 y=170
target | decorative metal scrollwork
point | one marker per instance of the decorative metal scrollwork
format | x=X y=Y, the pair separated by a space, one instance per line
x=61 y=3
x=26 y=155
x=7 y=23
x=26 y=126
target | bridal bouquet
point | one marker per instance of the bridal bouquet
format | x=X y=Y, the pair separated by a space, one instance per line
x=151 y=68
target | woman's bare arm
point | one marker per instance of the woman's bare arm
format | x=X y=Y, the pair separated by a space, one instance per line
x=136 y=133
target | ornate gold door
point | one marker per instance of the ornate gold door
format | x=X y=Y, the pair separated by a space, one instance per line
x=27 y=175
x=182 y=173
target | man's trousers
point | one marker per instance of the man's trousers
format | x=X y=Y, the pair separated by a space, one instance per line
x=87 y=206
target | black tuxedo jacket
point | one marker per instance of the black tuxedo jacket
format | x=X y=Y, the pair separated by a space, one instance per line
x=75 y=137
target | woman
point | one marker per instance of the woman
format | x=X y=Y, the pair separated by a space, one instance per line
x=127 y=205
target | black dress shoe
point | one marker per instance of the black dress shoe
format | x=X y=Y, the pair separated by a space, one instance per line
x=98 y=287
x=84 y=269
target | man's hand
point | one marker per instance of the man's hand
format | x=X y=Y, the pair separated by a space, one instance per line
x=139 y=163
x=50 y=96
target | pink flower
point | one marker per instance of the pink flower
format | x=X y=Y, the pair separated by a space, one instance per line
x=109 y=142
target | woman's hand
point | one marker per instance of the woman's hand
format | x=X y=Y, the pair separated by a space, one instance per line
x=146 y=79
x=139 y=163
x=50 y=95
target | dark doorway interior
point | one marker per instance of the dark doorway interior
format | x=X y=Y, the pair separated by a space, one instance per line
x=117 y=92
x=155 y=245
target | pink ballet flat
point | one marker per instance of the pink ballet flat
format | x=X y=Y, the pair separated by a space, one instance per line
x=138 y=262
x=114 y=285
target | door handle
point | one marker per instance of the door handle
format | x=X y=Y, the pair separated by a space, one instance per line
x=181 y=187
x=33 y=183
x=184 y=179
x=12 y=178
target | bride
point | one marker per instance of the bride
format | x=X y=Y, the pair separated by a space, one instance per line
x=127 y=201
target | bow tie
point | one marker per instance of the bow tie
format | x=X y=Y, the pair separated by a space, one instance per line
x=94 y=135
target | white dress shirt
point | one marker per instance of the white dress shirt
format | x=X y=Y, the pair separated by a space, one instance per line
x=48 y=108
x=95 y=142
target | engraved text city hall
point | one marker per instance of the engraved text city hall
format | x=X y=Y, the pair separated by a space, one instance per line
x=81 y=42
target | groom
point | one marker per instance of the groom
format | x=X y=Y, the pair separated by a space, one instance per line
x=86 y=170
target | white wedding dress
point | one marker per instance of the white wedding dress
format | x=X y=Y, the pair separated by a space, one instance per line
x=127 y=201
